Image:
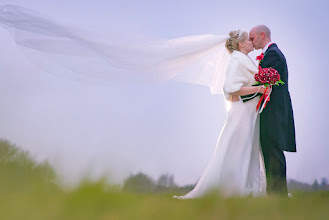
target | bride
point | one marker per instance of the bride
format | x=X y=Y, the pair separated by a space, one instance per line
x=236 y=168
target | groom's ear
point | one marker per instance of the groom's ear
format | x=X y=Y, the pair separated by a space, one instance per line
x=262 y=35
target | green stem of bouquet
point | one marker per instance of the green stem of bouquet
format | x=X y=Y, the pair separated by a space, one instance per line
x=280 y=82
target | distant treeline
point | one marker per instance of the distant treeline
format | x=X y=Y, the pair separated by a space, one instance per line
x=142 y=183
x=295 y=185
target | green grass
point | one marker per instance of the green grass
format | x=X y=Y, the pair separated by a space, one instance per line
x=94 y=202
x=28 y=191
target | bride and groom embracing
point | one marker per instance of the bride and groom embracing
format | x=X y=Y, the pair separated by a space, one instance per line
x=249 y=157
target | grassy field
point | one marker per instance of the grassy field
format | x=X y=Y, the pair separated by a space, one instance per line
x=28 y=191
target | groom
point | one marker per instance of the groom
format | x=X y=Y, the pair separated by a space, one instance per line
x=277 y=129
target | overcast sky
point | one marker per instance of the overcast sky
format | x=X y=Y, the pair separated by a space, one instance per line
x=122 y=128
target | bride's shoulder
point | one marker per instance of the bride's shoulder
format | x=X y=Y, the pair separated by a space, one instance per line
x=237 y=56
x=244 y=60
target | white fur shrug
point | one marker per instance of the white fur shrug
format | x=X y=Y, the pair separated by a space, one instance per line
x=240 y=72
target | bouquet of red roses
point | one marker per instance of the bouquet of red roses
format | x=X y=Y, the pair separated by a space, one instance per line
x=267 y=77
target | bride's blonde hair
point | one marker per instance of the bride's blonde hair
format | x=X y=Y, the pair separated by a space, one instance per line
x=236 y=37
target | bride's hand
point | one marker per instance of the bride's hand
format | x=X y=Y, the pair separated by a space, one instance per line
x=235 y=98
x=261 y=89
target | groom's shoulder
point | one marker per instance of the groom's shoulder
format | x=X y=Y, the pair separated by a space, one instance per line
x=275 y=50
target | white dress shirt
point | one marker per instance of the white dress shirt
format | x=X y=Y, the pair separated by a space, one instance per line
x=266 y=47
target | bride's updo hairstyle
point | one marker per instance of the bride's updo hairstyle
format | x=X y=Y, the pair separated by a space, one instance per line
x=232 y=43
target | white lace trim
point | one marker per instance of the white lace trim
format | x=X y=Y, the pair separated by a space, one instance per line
x=258 y=187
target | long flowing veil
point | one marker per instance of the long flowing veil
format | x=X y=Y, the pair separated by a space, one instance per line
x=73 y=53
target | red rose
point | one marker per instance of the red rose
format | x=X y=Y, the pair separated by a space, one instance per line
x=263 y=79
x=262 y=74
x=273 y=71
x=260 y=57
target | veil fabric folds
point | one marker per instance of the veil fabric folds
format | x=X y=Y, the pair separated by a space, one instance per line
x=69 y=52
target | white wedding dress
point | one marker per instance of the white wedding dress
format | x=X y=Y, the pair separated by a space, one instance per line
x=236 y=167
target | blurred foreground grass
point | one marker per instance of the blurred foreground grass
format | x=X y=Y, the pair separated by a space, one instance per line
x=28 y=191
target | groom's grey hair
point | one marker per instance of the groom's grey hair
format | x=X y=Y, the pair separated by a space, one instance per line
x=265 y=29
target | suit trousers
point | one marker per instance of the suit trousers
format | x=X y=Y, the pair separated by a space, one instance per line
x=275 y=166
